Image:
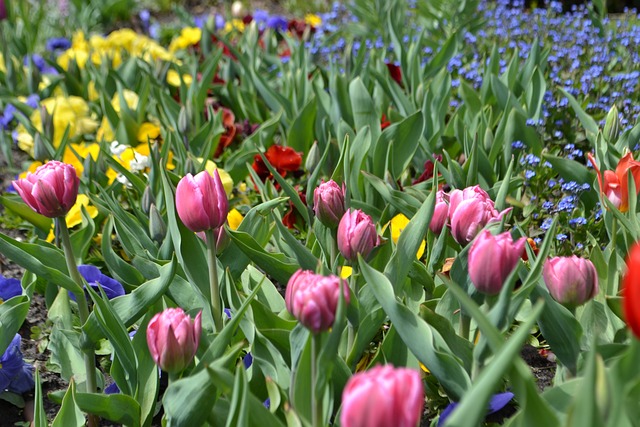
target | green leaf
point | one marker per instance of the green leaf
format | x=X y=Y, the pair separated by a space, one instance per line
x=364 y=109
x=588 y=123
x=401 y=141
x=69 y=414
x=119 y=408
x=12 y=314
x=422 y=339
x=17 y=206
x=39 y=415
x=186 y=399
x=301 y=133
x=238 y=409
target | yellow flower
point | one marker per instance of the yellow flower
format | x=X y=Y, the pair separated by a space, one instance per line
x=92 y=93
x=147 y=131
x=312 y=20
x=32 y=168
x=189 y=36
x=74 y=217
x=130 y=97
x=2 y=67
x=227 y=182
x=173 y=78
x=398 y=223
x=83 y=150
x=234 y=218
x=234 y=24
x=345 y=272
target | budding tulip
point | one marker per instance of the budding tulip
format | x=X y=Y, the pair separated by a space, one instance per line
x=356 y=235
x=614 y=184
x=440 y=212
x=631 y=290
x=173 y=339
x=51 y=190
x=492 y=259
x=201 y=201
x=469 y=211
x=383 y=396
x=571 y=280
x=328 y=203
x=313 y=299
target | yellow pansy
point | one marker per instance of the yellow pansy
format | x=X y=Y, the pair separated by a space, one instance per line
x=345 y=272
x=130 y=97
x=74 y=217
x=234 y=218
x=227 y=182
x=312 y=20
x=148 y=130
x=234 y=24
x=189 y=36
x=83 y=150
x=173 y=78
x=398 y=223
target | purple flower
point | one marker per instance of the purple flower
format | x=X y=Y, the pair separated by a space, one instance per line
x=498 y=401
x=277 y=23
x=9 y=288
x=7 y=116
x=57 y=43
x=15 y=374
x=112 y=288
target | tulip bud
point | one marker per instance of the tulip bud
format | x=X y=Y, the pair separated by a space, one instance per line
x=356 y=235
x=440 y=212
x=492 y=259
x=173 y=339
x=51 y=190
x=40 y=150
x=383 y=396
x=469 y=211
x=47 y=122
x=184 y=120
x=157 y=227
x=313 y=299
x=147 y=200
x=313 y=158
x=3 y=10
x=328 y=203
x=571 y=281
x=201 y=201
x=631 y=290
x=612 y=125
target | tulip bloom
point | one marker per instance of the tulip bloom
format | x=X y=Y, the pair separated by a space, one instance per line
x=328 y=203
x=51 y=190
x=356 y=235
x=440 y=212
x=571 y=280
x=313 y=299
x=614 y=185
x=201 y=201
x=469 y=211
x=383 y=396
x=631 y=290
x=173 y=339
x=492 y=259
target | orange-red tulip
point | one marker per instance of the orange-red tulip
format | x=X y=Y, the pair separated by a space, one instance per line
x=631 y=290
x=614 y=184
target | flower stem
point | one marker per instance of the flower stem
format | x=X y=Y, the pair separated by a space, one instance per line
x=83 y=308
x=465 y=325
x=316 y=412
x=216 y=310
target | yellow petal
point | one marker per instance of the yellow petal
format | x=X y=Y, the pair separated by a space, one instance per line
x=234 y=218
x=345 y=272
x=398 y=223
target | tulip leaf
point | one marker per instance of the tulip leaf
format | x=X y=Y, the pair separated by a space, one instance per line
x=238 y=409
x=588 y=123
x=69 y=415
x=185 y=399
x=39 y=414
x=301 y=132
x=81 y=239
x=119 y=269
x=119 y=408
x=17 y=206
x=43 y=260
x=396 y=145
x=302 y=254
x=12 y=313
x=423 y=340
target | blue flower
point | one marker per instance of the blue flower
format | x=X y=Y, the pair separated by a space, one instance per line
x=260 y=16
x=277 y=23
x=247 y=360
x=57 y=43
x=9 y=288
x=7 y=116
x=15 y=374
x=112 y=288
x=497 y=402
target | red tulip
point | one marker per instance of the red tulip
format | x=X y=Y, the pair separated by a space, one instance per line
x=51 y=190
x=631 y=290
x=615 y=184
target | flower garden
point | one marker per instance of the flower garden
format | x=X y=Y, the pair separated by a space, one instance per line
x=381 y=213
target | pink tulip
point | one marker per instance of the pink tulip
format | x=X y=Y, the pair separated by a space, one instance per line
x=51 y=190
x=571 y=280
x=469 y=211
x=201 y=201
x=313 y=299
x=492 y=259
x=328 y=203
x=440 y=212
x=173 y=339
x=356 y=235
x=381 y=397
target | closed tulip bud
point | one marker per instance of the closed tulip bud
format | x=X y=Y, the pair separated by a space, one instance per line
x=328 y=203
x=469 y=211
x=612 y=125
x=383 y=396
x=51 y=190
x=313 y=158
x=631 y=291
x=313 y=299
x=356 y=235
x=173 y=339
x=157 y=227
x=147 y=199
x=201 y=201
x=184 y=120
x=571 y=281
x=492 y=259
x=440 y=212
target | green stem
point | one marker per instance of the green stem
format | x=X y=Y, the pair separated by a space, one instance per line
x=612 y=287
x=216 y=310
x=83 y=307
x=465 y=325
x=351 y=328
x=316 y=412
